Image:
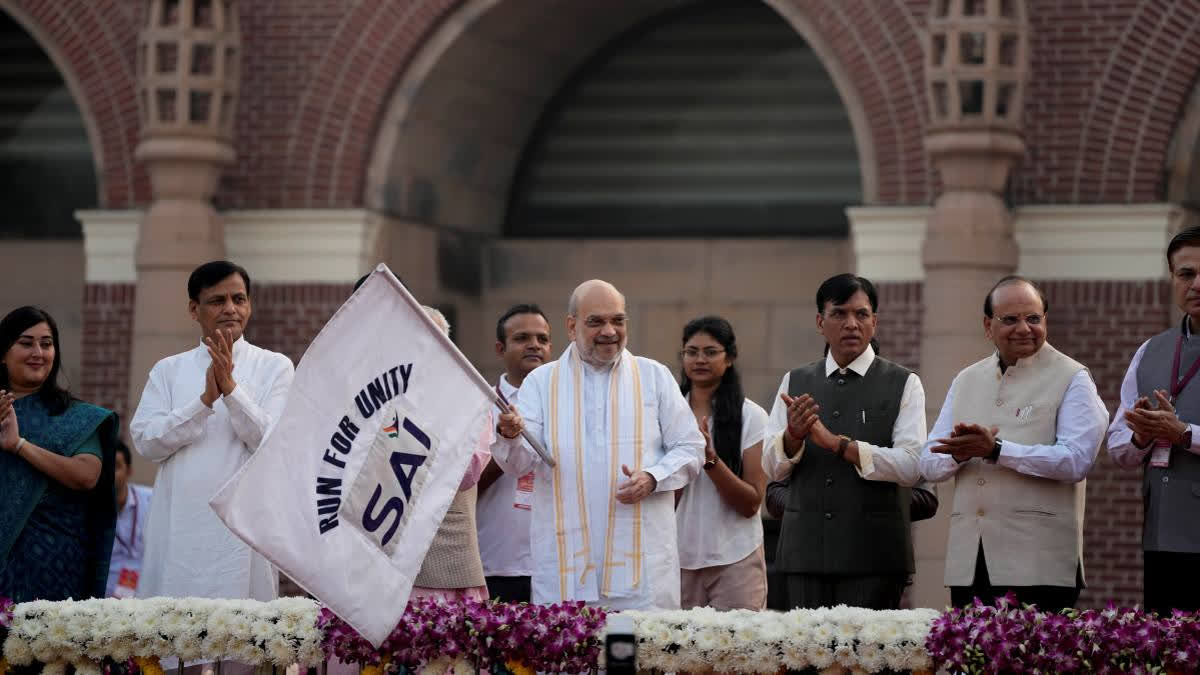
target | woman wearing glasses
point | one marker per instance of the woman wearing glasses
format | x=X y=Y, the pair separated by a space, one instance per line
x=720 y=532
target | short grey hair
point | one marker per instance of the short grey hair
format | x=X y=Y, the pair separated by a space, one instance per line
x=438 y=318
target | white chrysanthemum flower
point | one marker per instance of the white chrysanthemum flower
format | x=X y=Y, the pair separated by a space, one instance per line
x=188 y=647
x=262 y=629
x=310 y=654
x=239 y=626
x=219 y=622
x=119 y=625
x=146 y=624
x=846 y=633
x=705 y=641
x=247 y=653
x=26 y=628
x=819 y=656
x=280 y=652
x=45 y=650
x=844 y=654
x=822 y=634
x=121 y=650
x=917 y=659
x=17 y=651
x=871 y=657
x=216 y=648
x=78 y=626
x=59 y=668
x=832 y=670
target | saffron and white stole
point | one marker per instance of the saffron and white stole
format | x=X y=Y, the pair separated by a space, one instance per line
x=620 y=573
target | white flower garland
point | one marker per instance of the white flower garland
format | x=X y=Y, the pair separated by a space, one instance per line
x=84 y=633
x=284 y=632
x=831 y=640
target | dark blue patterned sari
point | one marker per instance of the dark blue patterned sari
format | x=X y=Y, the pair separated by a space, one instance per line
x=55 y=542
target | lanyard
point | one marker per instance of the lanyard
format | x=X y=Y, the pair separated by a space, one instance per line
x=1178 y=385
x=133 y=531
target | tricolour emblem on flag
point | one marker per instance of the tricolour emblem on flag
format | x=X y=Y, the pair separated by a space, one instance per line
x=349 y=486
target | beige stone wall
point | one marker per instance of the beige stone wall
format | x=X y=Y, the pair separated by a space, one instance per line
x=49 y=274
x=764 y=287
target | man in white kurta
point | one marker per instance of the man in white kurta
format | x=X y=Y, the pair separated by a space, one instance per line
x=202 y=413
x=624 y=439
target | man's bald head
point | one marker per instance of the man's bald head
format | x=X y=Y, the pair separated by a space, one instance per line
x=592 y=287
x=596 y=321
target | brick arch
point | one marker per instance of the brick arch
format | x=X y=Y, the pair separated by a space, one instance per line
x=88 y=45
x=339 y=112
x=1138 y=100
x=872 y=49
x=874 y=53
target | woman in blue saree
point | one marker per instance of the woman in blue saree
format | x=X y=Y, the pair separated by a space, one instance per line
x=56 y=471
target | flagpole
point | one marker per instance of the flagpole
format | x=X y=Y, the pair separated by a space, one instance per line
x=494 y=396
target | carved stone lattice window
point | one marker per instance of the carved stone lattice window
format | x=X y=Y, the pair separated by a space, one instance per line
x=188 y=73
x=978 y=56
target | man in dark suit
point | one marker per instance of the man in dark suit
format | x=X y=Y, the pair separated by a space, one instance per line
x=846 y=433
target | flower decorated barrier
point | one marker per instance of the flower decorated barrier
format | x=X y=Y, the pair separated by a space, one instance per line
x=95 y=636
x=129 y=637
x=474 y=637
x=833 y=640
x=116 y=637
x=123 y=637
x=1007 y=638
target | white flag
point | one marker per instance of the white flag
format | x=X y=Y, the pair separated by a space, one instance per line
x=347 y=490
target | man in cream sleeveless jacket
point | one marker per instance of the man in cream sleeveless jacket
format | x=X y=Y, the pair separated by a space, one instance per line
x=1155 y=428
x=1019 y=430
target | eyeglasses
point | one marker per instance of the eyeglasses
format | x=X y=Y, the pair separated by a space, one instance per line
x=1012 y=319
x=710 y=353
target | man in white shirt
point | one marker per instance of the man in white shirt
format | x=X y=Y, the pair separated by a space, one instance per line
x=202 y=413
x=1019 y=429
x=1156 y=430
x=505 y=500
x=846 y=433
x=623 y=440
x=133 y=512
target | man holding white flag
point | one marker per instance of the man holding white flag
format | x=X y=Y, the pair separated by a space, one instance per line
x=623 y=439
x=347 y=518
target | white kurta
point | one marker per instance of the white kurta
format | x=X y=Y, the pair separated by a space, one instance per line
x=189 y=552
x=672 y=455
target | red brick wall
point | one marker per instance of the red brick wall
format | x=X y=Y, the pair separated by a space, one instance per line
x=1101 y=324
x=900 y=316
x=97 y=41
x=107 y=330
x=287 y=317
x=1109 y=83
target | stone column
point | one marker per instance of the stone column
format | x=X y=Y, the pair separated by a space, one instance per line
x=976 y=67
x=187 y=63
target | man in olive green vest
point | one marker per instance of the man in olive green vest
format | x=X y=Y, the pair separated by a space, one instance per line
x=1156 y=429
x=1019 y=430
x=846 y=433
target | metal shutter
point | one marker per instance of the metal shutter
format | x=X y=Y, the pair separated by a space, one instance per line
x=45 y=158
x=715 y=120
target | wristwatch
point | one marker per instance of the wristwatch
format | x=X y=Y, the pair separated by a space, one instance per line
x=843 y=443
x=710 y=463
x=996 y=447
x=1185 y=441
